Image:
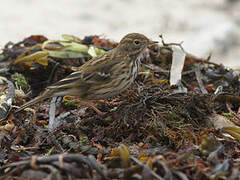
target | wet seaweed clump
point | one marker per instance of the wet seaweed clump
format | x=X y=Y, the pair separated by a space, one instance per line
x=179 y=120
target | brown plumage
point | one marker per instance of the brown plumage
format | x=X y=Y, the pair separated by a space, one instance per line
x=103 y=76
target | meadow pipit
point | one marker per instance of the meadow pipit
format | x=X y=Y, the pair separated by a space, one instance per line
x=103 y=76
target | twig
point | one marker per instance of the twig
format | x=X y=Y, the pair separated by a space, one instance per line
x=233 y=113
x=172 y=44
x=199 y=80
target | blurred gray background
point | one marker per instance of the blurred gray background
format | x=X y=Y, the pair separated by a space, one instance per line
x=204 y=26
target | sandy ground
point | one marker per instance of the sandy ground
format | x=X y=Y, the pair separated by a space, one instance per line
x=204 y=26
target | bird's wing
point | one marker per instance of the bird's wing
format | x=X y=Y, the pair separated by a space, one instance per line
x=95 y=71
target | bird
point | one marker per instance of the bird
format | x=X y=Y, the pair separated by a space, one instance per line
x=103 y=76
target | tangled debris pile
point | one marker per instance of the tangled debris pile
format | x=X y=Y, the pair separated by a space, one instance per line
x=151 y=131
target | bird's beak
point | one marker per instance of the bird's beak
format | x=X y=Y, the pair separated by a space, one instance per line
x=152 y=43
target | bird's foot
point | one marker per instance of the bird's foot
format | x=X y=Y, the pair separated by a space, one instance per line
x=91 y=105
x=84 y=103
x=114 y=102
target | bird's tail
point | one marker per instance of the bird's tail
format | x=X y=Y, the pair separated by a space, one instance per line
x=47 y=94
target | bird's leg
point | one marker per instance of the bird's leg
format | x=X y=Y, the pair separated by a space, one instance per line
x=89 y=104
x=99 y=101
x=84 y=103
x=114 y=102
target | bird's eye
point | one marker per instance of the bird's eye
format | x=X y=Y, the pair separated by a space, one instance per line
x=136 y=42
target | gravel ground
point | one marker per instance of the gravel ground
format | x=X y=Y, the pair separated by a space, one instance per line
x=204 y=26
